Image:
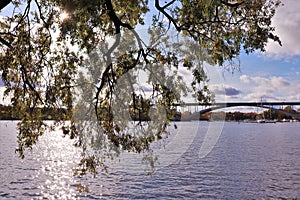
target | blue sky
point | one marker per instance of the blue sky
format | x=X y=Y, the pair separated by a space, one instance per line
x=270 y=76
x=273 y=75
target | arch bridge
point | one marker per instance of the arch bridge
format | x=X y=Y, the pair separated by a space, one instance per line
x=266 y=105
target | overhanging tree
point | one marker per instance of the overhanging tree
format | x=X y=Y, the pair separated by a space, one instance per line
x=89 y=62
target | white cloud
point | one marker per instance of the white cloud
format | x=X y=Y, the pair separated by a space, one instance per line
x=262 y=96
x=286 y=22
x=273 y=88
x=276 y=81
x=279 y=81
x=245 y=78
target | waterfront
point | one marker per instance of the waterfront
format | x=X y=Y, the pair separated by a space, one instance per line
x=248 y=161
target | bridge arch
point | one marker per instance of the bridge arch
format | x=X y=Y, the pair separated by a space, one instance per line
x=296 y=116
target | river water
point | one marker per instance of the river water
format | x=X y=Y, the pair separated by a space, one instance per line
x=242 y=161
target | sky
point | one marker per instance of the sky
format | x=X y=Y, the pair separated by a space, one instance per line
x=270 y=76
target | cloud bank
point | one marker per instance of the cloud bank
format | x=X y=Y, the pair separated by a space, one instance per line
x=286 y=22
x=273 y=88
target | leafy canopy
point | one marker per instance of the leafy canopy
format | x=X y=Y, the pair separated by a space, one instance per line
x=88 y=58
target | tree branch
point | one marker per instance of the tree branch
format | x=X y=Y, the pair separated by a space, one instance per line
x=162 y=10
x=231 y=4
x=5 y=42
x=118 y=24
x=168 y=4
x=4 y=3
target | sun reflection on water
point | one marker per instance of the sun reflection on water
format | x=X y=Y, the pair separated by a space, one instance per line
x=57 y=156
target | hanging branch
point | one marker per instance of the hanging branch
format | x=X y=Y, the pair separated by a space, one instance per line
x=4 y=3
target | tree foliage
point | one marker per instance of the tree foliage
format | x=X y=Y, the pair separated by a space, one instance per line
x=90 y=64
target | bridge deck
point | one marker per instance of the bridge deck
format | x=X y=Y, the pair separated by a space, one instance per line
x=232 y=104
